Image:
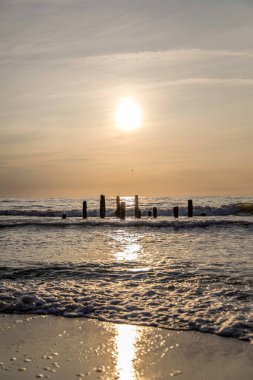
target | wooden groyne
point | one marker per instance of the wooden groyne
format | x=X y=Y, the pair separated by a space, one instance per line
x=84 y=209
x=175 y=211
x=102 y=207
x=190 y=208
x=117 y=212
x=121 y=209
x=137 y=211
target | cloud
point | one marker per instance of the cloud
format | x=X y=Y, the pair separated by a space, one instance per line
x=168 y=55
x=28 y=51
x=211 y=82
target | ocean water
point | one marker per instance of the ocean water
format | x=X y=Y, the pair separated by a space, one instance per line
x=186 y=273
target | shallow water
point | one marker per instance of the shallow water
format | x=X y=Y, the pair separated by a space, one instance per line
x=188 y=273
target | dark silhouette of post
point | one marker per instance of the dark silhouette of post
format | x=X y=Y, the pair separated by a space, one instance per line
x=64 y=216
x=139 y=214
x=122 y=210
x=190 y=208
x=84 y=210
x=117 y=212
x=155 y=212
x=175 y=211
x=136 y=206
x=102 y=206
x=149 y=213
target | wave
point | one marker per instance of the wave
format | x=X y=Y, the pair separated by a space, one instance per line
x=224 y=210
x=150 y=223
x=111 y=272
x=171 y=297
x=68 y=270
x=91 y=271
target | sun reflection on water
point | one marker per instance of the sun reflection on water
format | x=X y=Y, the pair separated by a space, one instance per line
x=129 y=246
x=129 y=252
x=125 y=346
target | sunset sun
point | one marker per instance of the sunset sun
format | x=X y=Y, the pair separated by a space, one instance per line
x=128 y=115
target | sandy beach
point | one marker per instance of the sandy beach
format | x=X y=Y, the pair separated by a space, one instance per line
x=63 y=348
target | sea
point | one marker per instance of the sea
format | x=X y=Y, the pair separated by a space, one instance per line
x=185 y=273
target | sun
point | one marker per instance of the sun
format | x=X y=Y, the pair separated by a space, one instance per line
x=128 y=115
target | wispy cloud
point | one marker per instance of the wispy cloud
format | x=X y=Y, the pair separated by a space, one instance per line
x=211 y=82
x=168 y=55
x=34 y=52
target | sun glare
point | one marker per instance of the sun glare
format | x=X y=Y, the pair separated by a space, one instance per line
x=128 y=115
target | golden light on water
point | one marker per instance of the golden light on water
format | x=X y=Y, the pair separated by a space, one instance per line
x=125 y=346
x=129 y=246
x=128 y=115
x=130 y=252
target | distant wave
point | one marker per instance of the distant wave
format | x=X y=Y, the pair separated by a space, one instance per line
x=224 y=210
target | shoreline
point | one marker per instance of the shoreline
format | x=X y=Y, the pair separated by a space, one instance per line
x=34 y=346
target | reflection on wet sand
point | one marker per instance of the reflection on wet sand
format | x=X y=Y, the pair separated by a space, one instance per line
x=125 y=340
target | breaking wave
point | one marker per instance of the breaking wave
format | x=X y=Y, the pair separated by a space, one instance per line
x=176 y=296
x=151 y=223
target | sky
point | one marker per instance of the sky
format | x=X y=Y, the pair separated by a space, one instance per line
x=65 y=66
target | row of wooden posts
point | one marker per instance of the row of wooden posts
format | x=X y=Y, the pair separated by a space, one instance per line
x=121 y=209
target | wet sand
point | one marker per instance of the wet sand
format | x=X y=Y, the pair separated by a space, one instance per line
x=62 y=348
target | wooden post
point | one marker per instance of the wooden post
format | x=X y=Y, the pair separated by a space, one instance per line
x=102 y=206
x=84 y=210
x=190 y=208
x=175 y=211
x=155 y=212
x=122 y=210
x=117 y=212
x=139 y=214
x=64 y=216
x=136 y=206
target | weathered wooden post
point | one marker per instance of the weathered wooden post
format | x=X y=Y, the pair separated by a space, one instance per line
x=139 y=214
x=122 y=210
x=84 y=210
x=190 y=208
x=155 y=212
x=102 y=206
x=136 y=206
x=175 y=211
x=117 y=212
